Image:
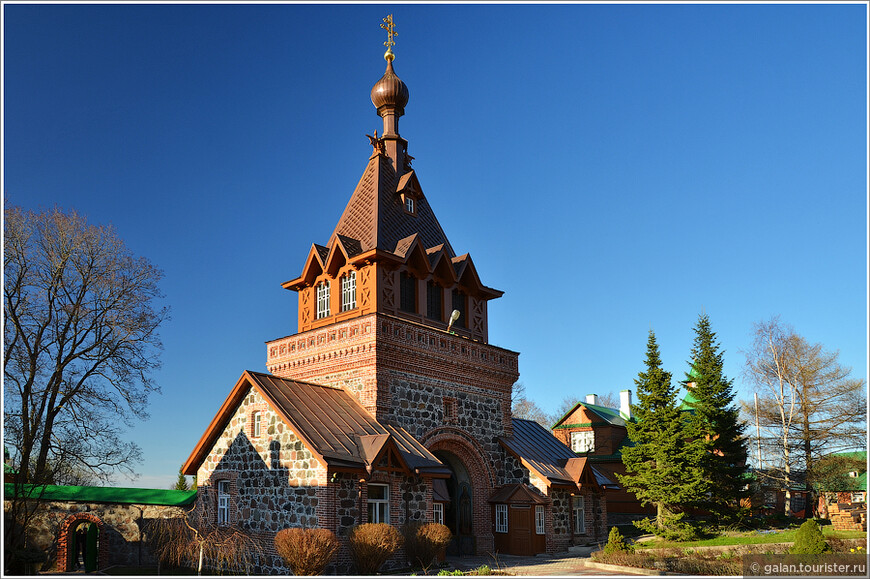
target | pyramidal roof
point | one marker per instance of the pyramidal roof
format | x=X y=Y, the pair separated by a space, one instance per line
x=375 y=216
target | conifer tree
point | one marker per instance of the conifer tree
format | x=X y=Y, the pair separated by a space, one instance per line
x=661 y=465
x=181 y=482
x=715 y=424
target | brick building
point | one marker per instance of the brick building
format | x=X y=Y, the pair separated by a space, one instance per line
x=385 y=406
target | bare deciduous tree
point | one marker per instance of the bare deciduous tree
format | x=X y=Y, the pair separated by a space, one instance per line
x=80 y=342
x=808 y=404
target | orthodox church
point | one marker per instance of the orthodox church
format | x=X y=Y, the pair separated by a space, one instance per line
x=390 y=404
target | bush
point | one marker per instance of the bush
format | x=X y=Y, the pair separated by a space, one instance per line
x=616 y=543
x=673 y=528
x=306 y=551
x=26 y=560
x=423 y=542
x=371 y=545
x=809 y=540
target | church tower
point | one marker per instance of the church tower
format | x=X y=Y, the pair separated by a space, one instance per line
x=375 y=305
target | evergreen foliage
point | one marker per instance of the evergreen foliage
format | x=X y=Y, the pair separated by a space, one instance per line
x=661 y=466
x=181 y=483
x=616 y=543
x=809 y=540
x=715 y=426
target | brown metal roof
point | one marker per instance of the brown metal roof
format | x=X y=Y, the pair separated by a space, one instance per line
x=330 y=422
x=517 y=494
x=542 y=452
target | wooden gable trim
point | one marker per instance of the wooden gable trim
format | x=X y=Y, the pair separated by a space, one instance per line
x=312 y=268
x=390 y=453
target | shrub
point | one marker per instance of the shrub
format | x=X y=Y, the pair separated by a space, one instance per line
x=371 y=545
x=809 y=540
x=673 y=528
x=423 y=542
x=306 y=551
x=616 y=543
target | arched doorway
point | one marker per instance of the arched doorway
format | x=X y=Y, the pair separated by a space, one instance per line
x=78 y=530
x=468 y=514
x=458 y=512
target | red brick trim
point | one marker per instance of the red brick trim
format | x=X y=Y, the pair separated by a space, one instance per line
x=63 y=540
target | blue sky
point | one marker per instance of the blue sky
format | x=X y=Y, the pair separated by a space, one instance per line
x=611 y=168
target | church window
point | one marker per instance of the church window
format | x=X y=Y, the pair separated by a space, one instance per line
x=583 y=441
x=255 y=424
x=539 y=520
x=223 y=510
x=379 y=503
x=501 y=519
x=434 y=299
x=438 y=513
x=348 y=291
x=407 y=293
x=579 y=508
x=322 y=299
x=459 y=305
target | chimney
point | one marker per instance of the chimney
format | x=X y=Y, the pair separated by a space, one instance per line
x=592 y=399
x=625 y=403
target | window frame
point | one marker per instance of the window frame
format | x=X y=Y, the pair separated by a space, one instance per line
x=578 y=509
x=223 y=502
x=348 y=291
x=375 y=506
x=459 y=301
x=322 y=302
x=434 y=301
x=407 y=293
x=438 y=513
x=256 y=429
x=410 y=205
x=501 y=518
x=578 y=437
x=540 y=520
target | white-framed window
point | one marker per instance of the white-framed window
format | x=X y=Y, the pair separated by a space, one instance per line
x=223 y=510
x=540 y=528
x=438 y=513
x=322 y=299
x=348 y=291
x=255 y=424
x=858 y=497
x=501 y=519
x=583 y=441
x=579 y=508
x=379 y=503
x=409 y=204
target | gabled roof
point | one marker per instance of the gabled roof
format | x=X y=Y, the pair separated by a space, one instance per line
x=543 y=453
x=608 y=415
x=331 y=424
x=81 y=494
x=518 y=494
x=689 y=402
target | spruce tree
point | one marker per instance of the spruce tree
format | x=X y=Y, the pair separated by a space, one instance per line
x=661 y=466
x=715 y=425
x=181 y=483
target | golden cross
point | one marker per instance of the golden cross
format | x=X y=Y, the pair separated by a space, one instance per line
x=391 y=32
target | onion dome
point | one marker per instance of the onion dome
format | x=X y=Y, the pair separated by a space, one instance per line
x=390 y=92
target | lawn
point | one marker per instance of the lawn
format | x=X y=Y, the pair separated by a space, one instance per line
x=748 y=538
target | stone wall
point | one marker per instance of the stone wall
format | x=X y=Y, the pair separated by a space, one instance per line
x=123 y=530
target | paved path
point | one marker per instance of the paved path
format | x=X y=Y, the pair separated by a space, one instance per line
x=561 y=564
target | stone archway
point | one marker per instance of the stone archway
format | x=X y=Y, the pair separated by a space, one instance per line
x=65 y=540
x=474 y=481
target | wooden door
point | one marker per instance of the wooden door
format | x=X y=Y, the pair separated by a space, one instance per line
x=520 y=530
